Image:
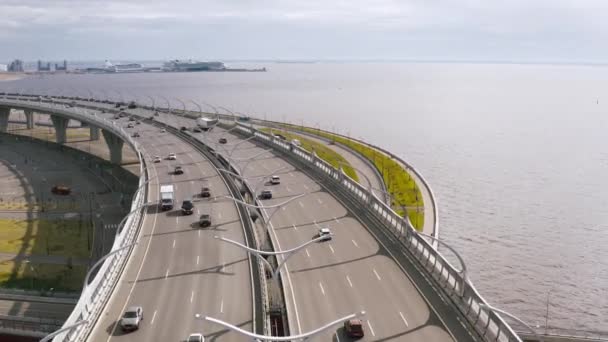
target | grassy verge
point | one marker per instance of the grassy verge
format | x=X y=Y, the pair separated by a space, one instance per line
x=322 y=151
x=46 y=237
x=41 y=277
x=398 y=182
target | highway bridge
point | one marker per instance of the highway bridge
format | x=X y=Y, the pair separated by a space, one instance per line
x=375 y=265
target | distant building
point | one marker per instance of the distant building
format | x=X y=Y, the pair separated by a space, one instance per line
x=16 y=66
x=59 y=67
x=43 y=67
x=3 y=67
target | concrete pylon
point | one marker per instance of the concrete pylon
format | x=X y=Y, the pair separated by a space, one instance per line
x=61 y=126
x=114 y=145
x=4 y=113
x=94 y=132
x=29 y=118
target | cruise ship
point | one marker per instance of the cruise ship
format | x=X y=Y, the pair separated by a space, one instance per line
x=190 y=65
x=131 y=67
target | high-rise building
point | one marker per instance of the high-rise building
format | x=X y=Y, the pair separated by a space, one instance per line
x=42 y=67
x=3 y=68
x=16 y=66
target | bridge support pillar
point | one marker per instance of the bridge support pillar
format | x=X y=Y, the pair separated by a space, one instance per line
x=4 y=114
x=94 y=132
x=29 y=118
x=61 y=127
x=114 y=145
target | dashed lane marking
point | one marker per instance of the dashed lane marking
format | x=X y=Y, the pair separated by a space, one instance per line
x=403 y=318
x=349 y=282
x=322 y=289
x=355 y=243
x=370 y=328
x=377 y=275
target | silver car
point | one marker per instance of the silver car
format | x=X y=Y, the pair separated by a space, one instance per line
x=196 y=338
x=131 y=318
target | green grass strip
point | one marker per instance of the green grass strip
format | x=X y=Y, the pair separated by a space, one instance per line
x=332 y=157
x=398 y=181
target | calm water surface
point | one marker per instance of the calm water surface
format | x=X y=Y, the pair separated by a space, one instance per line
x=516 y=155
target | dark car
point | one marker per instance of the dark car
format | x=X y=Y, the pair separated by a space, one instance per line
x=187 y=207
x=204 y=220
x=117 y=105
x=61 y=190
x=205 y=191
x=223 y=141
x=196 y=129
x=183 y=128
x=178 y=170
x=354 y=328
x=132 y=105
x=135 y=135
x=266 y=194
x=131 y=119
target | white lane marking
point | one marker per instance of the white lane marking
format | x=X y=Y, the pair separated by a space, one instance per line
x=332 y=250
x=167 y=273
x=308 y=254
x=377 y=275
x=222 y=306
x=403 y=318
x=295 y=227
x=370 y=328
x=199 y=233
x=315 y=223
x=319 y=200
x=197 y=259
x=291 y=174
x=198 y=212
x=355 y=243
x=153 y=317
x=349 y=282
x=177 y=220
x=322 y=289
x=306 y=187
x=219 y=215
x=283 y=208
x=335 y=219
x=288 y=189
x=301 y=204
x=191 y=182
x=337 y=337
x=173 y=243
x=192 y=297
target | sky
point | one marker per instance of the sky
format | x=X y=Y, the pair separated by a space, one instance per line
x=569 y=31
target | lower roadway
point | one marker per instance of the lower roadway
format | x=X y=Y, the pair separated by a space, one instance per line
x=177 y=269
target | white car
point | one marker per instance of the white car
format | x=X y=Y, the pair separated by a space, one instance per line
x=157 y=159
x=325 y=234
x=196 y=338
x=275 y=180
x=172 y=156
x=131 y=318
x=162 y=130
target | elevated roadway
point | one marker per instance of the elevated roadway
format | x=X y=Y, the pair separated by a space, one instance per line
x=357 y=270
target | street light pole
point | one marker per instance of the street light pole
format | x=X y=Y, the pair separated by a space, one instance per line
x=260 y=254
x=302 y=337
x=100 y=261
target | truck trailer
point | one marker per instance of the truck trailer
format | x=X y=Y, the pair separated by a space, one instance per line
x=206 y=123
x=166 y=197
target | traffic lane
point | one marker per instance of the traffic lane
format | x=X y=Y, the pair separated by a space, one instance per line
x=177 y=191
x=181 y=268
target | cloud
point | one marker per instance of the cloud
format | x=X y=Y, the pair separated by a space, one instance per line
x=221 y=24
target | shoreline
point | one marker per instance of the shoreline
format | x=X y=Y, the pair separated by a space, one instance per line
x=11 y=76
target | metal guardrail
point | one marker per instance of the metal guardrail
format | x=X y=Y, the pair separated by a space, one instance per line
x=95 y=296
x=463 y=294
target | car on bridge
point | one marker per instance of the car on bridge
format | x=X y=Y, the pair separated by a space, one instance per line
x=162 y=130
x=275 y=180
x=61 y=190
x=266 y=194
x=187 y=207
x=157 y=159
x=172 y=156
x=132 y=318
x=204 y=220
x=325 y=234
x=223 y=141
x=354 y=328
x=130 y=125
x=196 y=338
x=135 y=135
x=178 y=170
